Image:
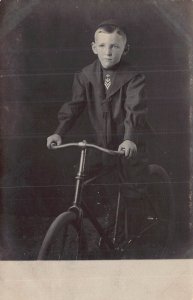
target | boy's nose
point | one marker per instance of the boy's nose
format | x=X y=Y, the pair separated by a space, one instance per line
x=108 y=51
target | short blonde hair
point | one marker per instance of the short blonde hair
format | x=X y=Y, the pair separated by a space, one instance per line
x=110 y=29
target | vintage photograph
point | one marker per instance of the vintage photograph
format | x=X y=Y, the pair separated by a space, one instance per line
x=95 y=130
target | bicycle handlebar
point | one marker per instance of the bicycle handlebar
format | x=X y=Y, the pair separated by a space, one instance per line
x=84 y=145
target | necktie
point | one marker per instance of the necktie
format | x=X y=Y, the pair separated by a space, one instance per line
x=107 y=112
x=107 y=81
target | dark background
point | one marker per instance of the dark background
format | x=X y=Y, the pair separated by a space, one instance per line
x=42 y=44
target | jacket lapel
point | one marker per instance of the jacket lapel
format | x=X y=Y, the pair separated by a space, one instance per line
x=122 y=76
x=94 y=75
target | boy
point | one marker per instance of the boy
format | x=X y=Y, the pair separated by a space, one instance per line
x=116 y=106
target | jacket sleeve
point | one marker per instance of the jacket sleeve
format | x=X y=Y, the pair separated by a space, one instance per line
x=136 y=109
x=70 y=111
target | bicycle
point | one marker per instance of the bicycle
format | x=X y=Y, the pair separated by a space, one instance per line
x=66 y=238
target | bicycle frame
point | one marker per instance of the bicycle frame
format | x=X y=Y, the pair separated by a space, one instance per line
x=79 y=205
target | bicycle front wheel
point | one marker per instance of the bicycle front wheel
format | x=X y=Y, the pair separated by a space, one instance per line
x=64 y=239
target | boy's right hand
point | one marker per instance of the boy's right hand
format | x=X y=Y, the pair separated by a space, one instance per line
x=54 y=138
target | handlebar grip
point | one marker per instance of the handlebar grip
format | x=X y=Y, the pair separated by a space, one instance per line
x=53 y=145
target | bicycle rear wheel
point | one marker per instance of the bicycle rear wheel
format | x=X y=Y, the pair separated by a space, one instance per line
x=161 y=207
x=157 y=217
x=63 y=240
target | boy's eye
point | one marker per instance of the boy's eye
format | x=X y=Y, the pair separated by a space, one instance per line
x=115 y=46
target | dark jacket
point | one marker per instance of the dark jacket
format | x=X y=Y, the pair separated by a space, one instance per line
x=116 y=116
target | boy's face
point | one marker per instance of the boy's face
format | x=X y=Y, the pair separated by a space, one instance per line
x=109 y=47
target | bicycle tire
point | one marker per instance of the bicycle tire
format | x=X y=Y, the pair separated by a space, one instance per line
x=62 y=240
x=161 y=198
x=156 y=242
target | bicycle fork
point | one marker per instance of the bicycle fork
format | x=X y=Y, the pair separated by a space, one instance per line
x=79 y=180
x=76 y=208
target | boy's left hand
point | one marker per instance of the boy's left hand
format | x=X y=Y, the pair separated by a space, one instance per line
x=129 y=148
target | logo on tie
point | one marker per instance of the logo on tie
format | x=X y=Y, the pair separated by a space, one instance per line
x=107 y=81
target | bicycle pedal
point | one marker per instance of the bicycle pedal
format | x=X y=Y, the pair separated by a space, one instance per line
x=149 y=218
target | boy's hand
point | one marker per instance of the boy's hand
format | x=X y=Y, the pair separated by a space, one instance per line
x=129 y=148
x=54 y=138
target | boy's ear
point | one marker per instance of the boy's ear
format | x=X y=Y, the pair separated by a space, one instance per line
x=126 y=50
x=93 y=45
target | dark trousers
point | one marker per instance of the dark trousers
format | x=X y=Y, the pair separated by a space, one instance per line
x=132 y=174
